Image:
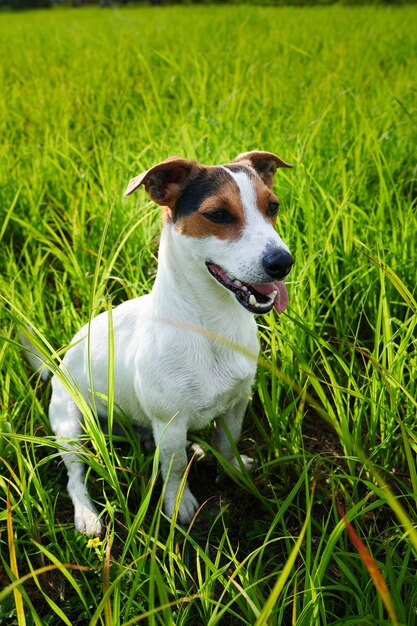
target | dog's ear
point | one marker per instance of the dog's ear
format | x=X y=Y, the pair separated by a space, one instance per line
x=265 y=163
x=165 y=181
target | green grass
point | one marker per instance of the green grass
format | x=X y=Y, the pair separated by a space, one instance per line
x=89 y=98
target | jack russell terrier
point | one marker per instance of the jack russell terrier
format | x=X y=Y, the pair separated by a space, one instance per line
x=176 y=362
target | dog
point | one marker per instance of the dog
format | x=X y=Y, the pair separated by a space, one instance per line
x=184 y=354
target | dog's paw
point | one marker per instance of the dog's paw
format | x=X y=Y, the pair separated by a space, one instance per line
x=86 y=521
x=247 y=462
x=187 y=508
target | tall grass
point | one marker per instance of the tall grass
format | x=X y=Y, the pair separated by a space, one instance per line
x=324 y=530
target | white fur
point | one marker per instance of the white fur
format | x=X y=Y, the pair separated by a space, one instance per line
x=244 y=256
x=172 y=370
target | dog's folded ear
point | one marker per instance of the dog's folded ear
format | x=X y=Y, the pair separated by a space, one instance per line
x=265 y=163
x=165 y=181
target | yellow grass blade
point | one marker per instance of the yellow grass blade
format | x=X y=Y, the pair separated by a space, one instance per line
x=108 y=616
x=20 y=612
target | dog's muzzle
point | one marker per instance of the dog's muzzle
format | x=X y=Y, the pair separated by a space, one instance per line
x=256 y=298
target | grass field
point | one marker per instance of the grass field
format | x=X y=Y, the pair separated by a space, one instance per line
x=325 y=530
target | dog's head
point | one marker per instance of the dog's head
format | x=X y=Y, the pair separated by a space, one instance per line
x=227 y=216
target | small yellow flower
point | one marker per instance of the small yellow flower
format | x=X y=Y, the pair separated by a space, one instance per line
x=94 y=543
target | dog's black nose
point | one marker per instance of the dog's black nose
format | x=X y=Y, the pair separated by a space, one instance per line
x=277 y=263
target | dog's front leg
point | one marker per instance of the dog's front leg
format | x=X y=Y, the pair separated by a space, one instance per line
x=227 y=429
x=172 y=438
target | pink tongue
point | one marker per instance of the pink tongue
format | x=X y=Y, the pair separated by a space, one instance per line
x=281 y=299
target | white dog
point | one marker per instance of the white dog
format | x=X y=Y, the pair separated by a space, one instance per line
x=176 y=365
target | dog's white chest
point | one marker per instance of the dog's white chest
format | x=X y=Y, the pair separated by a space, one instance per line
x=223 y=383
x=199 y=377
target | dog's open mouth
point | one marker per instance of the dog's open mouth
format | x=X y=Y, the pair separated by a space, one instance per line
x=256 y=298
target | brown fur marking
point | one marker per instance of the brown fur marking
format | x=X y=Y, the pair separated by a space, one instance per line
x=227 y=197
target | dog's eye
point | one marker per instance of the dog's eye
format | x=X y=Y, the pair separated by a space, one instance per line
x=220 y=216
x=273 y=208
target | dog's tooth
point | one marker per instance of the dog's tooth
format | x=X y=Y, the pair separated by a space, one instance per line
x=252 y=300
x=244 y=288
x=238 y=283
x=273 y=294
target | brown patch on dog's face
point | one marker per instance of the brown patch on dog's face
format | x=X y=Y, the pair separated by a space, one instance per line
x=210 y=204
x=267 y=202
x=220 y=212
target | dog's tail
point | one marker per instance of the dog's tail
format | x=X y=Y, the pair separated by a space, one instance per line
x=34 y=356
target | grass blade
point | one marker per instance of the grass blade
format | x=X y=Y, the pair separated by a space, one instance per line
x=286 y=570
x=371 y=567
x=20 y=612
